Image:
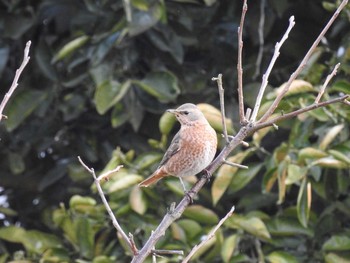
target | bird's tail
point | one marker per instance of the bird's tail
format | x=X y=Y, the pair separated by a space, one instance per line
x=155 y=177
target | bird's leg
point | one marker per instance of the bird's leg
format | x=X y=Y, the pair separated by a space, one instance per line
x=183 y=184
x=187 y=193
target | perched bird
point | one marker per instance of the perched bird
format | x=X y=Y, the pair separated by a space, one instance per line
x=191 y=150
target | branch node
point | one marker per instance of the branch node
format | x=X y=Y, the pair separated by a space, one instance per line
x=275 y=126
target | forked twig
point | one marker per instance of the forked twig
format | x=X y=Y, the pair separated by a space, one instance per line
x=269 y=69
x=242 y=118
x=128 y=240
x=302 y=64
x=209 y=236
x=14 y=84
x=328 y=79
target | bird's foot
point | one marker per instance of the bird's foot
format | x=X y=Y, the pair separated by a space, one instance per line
x=188 y=195
x=207 y=175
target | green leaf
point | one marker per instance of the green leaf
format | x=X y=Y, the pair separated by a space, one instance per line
x=86 y=234
x=120 y=115
x=330 y=136
x=281 y=257
x=123 y=183
x=166 y=123
x=298 y=86
x=229 y=246
x=191 y=227
x=177 y=232
x=252 y=225
x=295 y=173
x=70 y=47
x=287 y=227
x=225 y=175
x=244 y=176
x=304 y=202
x=330 y=162
x=201 y=214
x=341 y=86
x=82 y=204
x=137 y=200
x=142 y=21
x=334 y=258
x=310 y=153
x=340 y=156
x=161 y=85
x=21 y=106
x=33 y=240
x=339 y=242
x=109 y=93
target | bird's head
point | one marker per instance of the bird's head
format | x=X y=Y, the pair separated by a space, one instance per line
x=188 y=114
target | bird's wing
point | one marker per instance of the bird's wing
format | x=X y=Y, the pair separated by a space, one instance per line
x=173 y=149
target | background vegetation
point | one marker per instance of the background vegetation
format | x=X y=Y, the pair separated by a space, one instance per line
x=96 y=86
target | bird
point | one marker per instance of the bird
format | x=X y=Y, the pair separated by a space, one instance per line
x=191 y=150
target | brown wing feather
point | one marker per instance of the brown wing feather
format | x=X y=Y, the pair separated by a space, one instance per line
x=173 y=149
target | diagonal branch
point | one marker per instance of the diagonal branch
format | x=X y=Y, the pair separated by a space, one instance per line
x=239 y=65
x=302 y=63
x=293 y=114
x=14 y=84
x=128 y=240
x=209 y=236
x=269 y=69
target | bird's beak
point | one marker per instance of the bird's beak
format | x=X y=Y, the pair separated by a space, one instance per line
x=171 y=111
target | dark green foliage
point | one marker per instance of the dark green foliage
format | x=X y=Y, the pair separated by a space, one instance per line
x=96 y=86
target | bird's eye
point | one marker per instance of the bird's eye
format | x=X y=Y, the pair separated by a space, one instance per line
x=185 y=112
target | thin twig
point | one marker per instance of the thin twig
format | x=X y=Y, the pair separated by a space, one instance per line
x=265 y=78
x=218 y=79
x=239 y=65
x=128 y=240
x=328 y=79
x=14 y=84
x=302 y=63
x=236 y=164
x=292 y=114
x=209 y=236
x=261 y=39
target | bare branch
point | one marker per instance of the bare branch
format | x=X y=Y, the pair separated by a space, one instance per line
x=302 y=63
x=106 y=175
x=218 y=79
x=239 y=65
x=261 y=39
x=128 y=240
x=293 y=114
x=328 y=79
x=14 y=84
x=269 y=69
x=209 y=236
